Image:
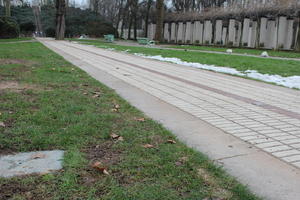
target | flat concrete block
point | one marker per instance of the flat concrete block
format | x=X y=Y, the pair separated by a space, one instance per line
x=30 y=163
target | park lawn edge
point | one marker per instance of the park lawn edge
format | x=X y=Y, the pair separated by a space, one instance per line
x=58 y=109
x=248 y=51
x=16 y=39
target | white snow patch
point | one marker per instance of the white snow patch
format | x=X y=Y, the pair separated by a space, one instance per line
x=229 y=51
x=290 y=82
x=264 y=54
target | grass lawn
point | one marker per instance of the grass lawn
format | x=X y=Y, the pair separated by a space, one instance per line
x=47 y=103
x=16 y=39
x=241 y=63
x=286 y=54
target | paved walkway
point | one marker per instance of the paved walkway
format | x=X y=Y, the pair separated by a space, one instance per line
x=262 y=115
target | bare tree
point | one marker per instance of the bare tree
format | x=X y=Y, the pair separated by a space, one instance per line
x=160 y=20
x=149 y=3
x=7 y=8
x=60 y=19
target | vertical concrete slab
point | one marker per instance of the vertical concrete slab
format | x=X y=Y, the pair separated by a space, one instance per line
x=231 y=32
x=153 y=31
x=224 y=36
x=173 y=32
x=218 y=32
x=184 y=32
x=197 y=33
x=191 y=32
x=188 y=31
x=271 y=34
x=246 y=32
x=282 y=27
x=180 y=38
x=238 y=34
x=207 y=35
x=253 y=38
x=149 y=30
x=166 y=32
x=201 y=33
x=263 y=32
x=289 y=34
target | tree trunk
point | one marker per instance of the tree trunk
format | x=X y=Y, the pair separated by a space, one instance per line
x=60 y=19
x=159 y=20
x=135 y=26
x=7 y=8
x=129 y=28
x=147 y=17
x=297 y=44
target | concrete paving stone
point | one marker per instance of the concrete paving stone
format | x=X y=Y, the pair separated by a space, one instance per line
x=269 y=144
x=30 y=163
x=277 y=148
x=259 y=141
x=292 y=141
x=253 y=137
x=264 y=129
x=296 y=164
x=297 y=146
x=245 y=134
x=294 y=158
x=281 y=154
x=282 y=138
x=276 y=134
x=241 y=131
x=290 y=129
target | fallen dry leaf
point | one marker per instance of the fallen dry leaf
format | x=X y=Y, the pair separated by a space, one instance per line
x=96 y=95
x=147 y=146
x=105 y=172
x=114 y=136
x=2 y=124
x=117 y=106
x=171 y=141
x=140 y=119
x=38 y=156
x=120 y=138
x=98 y=166
x=114 y=110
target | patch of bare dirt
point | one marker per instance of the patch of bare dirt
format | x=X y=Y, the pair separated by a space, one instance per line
x=216 y=189
x=104 y=153
x=16 y=61
x=17 y=87
x=17 y=190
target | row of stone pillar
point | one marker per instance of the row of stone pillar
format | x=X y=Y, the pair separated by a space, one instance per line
x=269 y=33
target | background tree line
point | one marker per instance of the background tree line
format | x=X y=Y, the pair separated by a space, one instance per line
x=136 y=14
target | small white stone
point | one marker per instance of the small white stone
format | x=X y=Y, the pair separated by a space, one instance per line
x=229 y=51
x=264 y=54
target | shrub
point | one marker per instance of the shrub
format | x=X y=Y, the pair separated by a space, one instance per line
x=8 y=28
x=100 y=28
x=50 y=32
x=27 y=28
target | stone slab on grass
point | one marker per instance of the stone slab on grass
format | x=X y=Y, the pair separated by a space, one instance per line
x=39 y=162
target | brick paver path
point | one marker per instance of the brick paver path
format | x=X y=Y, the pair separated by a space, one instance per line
x=263 y=115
